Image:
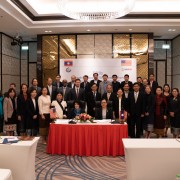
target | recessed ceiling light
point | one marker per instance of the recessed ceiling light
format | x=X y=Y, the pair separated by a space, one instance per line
x=171 y=29
x=48 y=31
x=130 y=29
x=24 y=47
x=88 y=30
x=166 y=46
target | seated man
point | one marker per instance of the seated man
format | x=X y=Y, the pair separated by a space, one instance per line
x=103 y=112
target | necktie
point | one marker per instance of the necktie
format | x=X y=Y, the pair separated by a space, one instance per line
x=77 y=92
x=94 y=96
x=108 y=96
x=136 y=97
x=64 y=91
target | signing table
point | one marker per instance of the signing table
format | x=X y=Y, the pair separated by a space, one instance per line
x=152 y=159
x=19 y=158
x=91 y=139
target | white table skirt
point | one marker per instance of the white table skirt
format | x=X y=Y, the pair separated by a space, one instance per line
x=5 y=174
x=152 y=159
x=19 y=158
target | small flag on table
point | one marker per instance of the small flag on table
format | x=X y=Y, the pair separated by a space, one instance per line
x=68 y=63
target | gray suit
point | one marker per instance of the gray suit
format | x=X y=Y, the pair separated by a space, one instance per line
x=67 y=92
x=101 y=89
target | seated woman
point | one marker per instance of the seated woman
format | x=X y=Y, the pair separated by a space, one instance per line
x=60 y=106
x=76 y=111
x=103 y=112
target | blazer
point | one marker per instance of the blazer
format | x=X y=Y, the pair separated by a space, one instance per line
x=136 y=108
x=31 y=111
x=101 y=87
x=21 y=105
x=59 y=110
x=8 y=107
x=53 y=93
x=56 y=84
x=154 y=86
x=130 y=85
x=113 y=98
x=67 y=93
x=92 y=82
x=116 y=86
x=87 y=88
x=73 y=96
x=98 y=113
x=69 y=84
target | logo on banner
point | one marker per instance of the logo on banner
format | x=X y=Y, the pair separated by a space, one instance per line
x=126 y=62
x=68 y=69
x=68 y=63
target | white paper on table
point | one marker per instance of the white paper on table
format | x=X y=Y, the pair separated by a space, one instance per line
x=103 y=121
x=62 y=121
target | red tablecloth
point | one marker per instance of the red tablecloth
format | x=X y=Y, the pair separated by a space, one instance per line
x=86 y=140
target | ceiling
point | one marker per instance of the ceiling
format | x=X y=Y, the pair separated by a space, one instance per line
x=28 y=20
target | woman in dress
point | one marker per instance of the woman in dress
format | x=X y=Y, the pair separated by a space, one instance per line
x=44 y=103
x=76 y=111
x=10 y=111
x=103 y=112
x=166 y=93
x=149 y=103
x=32 y=123
x=60 y=106
x=174 y=111
x=160 y=112
x=21 y=109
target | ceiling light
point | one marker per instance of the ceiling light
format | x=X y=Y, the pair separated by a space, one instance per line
x=47 y=31
x=95 y=9
x=24 y=47
x=130 y=29
x=166 y=46
x=171 y=29
x=88 y=30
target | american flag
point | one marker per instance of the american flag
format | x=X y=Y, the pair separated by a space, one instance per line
x=126 y=62
x=68 y=63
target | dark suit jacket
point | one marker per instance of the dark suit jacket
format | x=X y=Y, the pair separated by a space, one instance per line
x=73 y=96
x=116 y=86
x=112 y=98
x=53 y=93
x=56 y=85
x=98 y=113
x=92 y=82
x=91 y=102
x=130 y=85
x=67 y=93
x=154 y=86
x=21 y=105
x=123 y=106
x=31 y=111
x=70 y=84
x=138 y=107
x=87 y=88
x=38 y=89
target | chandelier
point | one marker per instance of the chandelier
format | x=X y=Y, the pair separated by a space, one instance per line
x=96 y=9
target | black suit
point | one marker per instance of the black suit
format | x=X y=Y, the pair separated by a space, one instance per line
x=92 y=82
x=91 y=102
x=86 y=88
x=70 y=85
x=73 y=95
x=98 y=113
x=129 y=83
x=116 y=85
x=135 y=110
x=53 y=93
x=32 y=111
x=57 y=85
x=112 y=98
x=67 y=93
x=154 y=86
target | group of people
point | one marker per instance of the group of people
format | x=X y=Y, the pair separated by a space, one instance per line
x=148 y=106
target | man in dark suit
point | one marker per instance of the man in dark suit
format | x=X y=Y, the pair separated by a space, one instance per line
x=85 y=85
x=110 y=96
x=34 y=83
x=153 y=83
x=126 y=80
x=115 y=84
x=95 y=80
x=65 y=90
x=92 y=97
x=52 y=90
x=72 y=83
x=58 y=83
x=136 y=110
x=139 y=80
x=77 y=93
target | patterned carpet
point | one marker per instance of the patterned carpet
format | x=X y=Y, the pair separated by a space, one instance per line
x=56 y=167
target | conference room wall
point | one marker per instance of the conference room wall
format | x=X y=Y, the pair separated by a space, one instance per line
x=10 y=63
x=176 y=61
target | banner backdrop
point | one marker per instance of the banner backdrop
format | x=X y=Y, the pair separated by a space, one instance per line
x=80 y=67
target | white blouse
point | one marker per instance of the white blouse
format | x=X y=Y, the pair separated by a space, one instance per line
x=44 y=103
x=59 y=111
